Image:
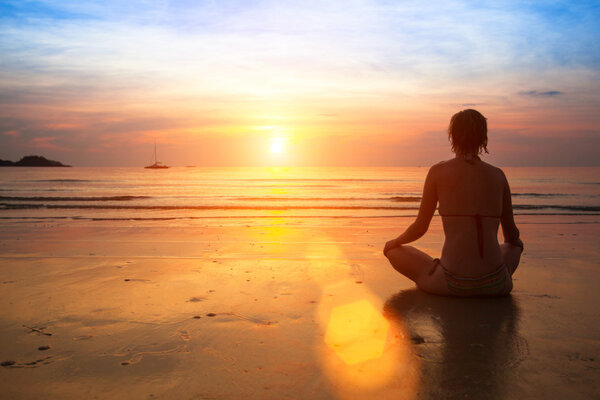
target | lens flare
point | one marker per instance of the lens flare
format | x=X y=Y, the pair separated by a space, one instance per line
x=357 y=332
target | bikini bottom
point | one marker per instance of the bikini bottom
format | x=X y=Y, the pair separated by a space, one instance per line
x=491 y=284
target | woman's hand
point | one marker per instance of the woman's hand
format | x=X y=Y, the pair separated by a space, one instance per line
x=389 y=245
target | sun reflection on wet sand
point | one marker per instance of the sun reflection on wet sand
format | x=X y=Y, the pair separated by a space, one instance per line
x=362 y=355
x=357 y=332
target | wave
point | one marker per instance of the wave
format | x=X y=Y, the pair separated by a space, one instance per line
x=279 y=186
x=405 y=199
x=50 y=198
x=205 y=217
x=60 y=180
x=175 y=218
x=312 y=180
x=541 y=194
x=13 y=206
x=28 y=206
x=398 y=199
x=20 y=189
x=556 y=207
x=276 y=198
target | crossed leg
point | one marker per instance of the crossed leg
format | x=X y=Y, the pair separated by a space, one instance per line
x=511 y=256
x=417 y=265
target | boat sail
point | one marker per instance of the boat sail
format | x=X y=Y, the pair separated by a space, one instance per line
x=156 y=164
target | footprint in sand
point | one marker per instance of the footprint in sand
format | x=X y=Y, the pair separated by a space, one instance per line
x=196 y=299
x=185 y=335
x=33 y=329
x=83 y=337
x=30 y=364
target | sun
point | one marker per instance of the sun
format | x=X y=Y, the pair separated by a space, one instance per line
x=277 y=145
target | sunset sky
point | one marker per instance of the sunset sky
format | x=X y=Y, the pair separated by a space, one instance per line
x=282 y=82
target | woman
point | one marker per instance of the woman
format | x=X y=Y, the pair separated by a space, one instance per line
x=474 y=199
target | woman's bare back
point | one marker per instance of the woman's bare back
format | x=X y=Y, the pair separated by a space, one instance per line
x=474 y=200
x=465 y=191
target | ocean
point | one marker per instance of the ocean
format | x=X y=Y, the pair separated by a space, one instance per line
x=189 y=193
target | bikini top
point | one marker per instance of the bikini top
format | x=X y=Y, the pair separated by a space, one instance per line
x=478 y=223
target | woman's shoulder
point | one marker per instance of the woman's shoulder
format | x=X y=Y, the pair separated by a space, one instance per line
x=493 y=169
x=441 y=164
x=453 y=165
x=441 y=168
x=437 y=168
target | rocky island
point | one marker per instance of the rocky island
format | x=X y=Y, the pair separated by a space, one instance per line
x=32 y=161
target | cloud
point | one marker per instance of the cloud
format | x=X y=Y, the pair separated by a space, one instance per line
x=47 y=143
x=94 y=75
x=535 y=93
x=522 y=147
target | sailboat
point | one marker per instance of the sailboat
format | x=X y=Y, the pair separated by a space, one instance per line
x=156 y=164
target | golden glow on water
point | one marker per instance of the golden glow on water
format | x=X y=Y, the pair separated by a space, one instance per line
x=276 y=172
x=357 y=332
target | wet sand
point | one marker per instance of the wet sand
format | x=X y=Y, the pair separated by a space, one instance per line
x=279 y=308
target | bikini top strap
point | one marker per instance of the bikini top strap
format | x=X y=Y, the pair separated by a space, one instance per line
x=470 y=215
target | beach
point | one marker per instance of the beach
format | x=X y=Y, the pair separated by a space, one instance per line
x=262 y=308
x=195 y=197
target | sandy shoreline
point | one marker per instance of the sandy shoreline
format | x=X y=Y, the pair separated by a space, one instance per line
x=256 y=308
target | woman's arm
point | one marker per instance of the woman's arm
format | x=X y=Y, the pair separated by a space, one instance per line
x=426 y=210
x=509 y=228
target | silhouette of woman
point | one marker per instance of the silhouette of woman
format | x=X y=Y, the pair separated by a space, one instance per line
x=474 y=199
